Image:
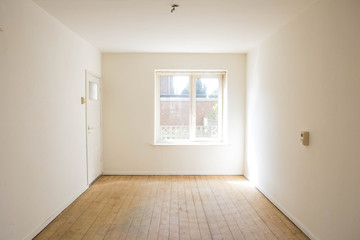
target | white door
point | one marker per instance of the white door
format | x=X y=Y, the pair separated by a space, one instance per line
x=93 y=126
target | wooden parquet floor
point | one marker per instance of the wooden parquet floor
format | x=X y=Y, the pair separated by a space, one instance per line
x=171 y=207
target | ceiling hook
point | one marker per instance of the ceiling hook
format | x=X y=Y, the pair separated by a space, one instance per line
x=173 y=7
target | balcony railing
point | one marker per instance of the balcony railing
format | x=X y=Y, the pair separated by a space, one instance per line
x=182 y=132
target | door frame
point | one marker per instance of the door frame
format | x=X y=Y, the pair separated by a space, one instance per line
x=87 y=73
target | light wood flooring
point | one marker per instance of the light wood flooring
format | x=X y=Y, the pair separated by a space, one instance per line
x=171 y=207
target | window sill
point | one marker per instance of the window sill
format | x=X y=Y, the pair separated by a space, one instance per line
x=192 y=144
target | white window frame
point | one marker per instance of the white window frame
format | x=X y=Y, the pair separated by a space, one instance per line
x=222 y=107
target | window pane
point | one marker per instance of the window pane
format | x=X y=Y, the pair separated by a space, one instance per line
x=207 y=107
x=174 y=107
x=93 y=90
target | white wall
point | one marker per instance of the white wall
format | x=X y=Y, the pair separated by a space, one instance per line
x=128 y=116
x=307 y=77
x=42 y=141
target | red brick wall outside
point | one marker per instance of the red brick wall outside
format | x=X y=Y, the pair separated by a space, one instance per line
x=178 y=112
x=203 y=109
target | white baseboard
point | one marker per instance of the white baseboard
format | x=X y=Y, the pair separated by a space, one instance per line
x=299 y=224
x=171 y=173
x=54 y=215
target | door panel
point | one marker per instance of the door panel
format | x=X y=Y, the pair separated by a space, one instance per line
x=93 y=126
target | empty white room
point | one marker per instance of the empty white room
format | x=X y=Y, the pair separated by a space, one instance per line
x=135 y=119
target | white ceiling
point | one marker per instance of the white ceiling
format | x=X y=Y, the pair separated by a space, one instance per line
x=228 y=26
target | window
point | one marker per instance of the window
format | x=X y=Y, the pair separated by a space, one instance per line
x=93 y=90
x=189 y=106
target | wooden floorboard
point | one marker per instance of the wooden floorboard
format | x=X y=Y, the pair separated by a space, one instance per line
x=171 y=207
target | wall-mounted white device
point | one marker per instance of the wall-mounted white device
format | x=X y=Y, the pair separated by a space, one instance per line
x=304 y=137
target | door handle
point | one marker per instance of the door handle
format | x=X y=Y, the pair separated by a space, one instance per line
x=90 y=127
